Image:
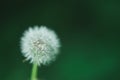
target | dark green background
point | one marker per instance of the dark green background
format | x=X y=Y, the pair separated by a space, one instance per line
x=89 y=31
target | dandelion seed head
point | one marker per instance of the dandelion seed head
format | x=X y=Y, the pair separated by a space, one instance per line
x=40 y=45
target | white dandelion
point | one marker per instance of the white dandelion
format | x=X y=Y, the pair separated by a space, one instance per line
x=40 y=45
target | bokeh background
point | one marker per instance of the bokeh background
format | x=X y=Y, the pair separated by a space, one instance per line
x=89 y=31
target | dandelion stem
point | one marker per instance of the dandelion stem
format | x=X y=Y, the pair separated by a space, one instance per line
x=34 y=72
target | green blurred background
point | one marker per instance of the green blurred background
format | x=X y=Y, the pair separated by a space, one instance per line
x=89 y=31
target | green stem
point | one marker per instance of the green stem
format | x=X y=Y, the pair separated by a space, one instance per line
x=34 y=72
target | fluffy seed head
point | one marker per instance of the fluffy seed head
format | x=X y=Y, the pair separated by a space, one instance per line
x=40 y=45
